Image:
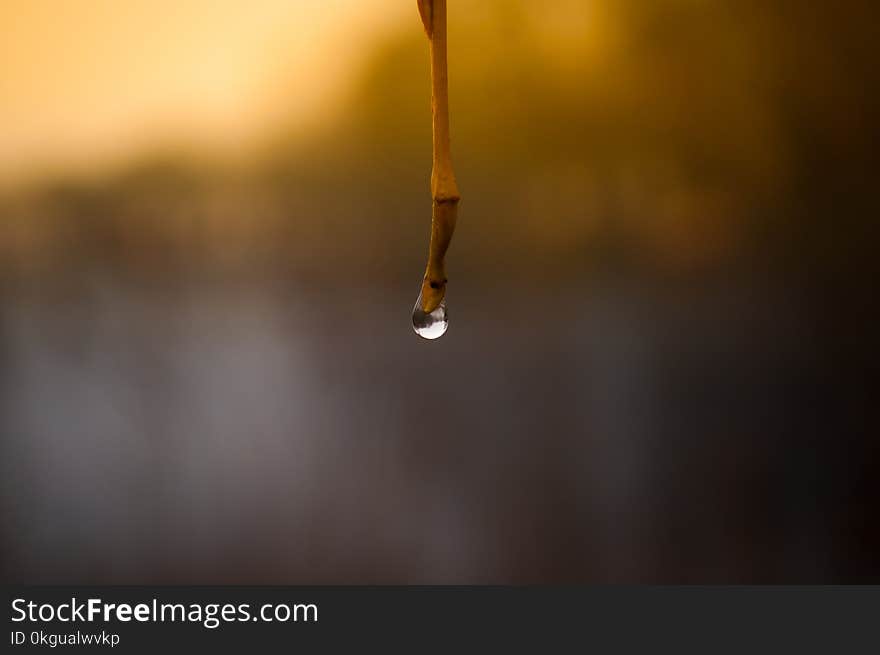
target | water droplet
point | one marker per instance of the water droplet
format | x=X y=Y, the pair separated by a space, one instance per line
x=433 y=325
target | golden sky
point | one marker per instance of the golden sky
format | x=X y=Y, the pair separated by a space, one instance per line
x=87 y=83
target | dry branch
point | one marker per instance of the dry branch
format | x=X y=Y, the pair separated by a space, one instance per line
x=444 y=190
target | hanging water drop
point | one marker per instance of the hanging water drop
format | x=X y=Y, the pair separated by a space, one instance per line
x=430 y=325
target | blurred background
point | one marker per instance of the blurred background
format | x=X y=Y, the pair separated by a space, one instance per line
x=214 y=218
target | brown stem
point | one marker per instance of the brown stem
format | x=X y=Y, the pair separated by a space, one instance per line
x=444 y=190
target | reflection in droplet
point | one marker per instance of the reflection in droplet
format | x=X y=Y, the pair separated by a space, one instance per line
x=433 y=325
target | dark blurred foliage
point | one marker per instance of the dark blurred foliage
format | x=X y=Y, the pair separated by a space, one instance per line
x=661 y=348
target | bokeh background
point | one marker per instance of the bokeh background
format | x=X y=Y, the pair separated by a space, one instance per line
x=213 y=223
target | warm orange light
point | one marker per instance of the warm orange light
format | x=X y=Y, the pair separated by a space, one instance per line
x=84 y=83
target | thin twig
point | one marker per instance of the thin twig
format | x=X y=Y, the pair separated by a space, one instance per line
x=444 y=190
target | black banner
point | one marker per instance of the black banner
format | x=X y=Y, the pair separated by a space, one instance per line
x=412 y=619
